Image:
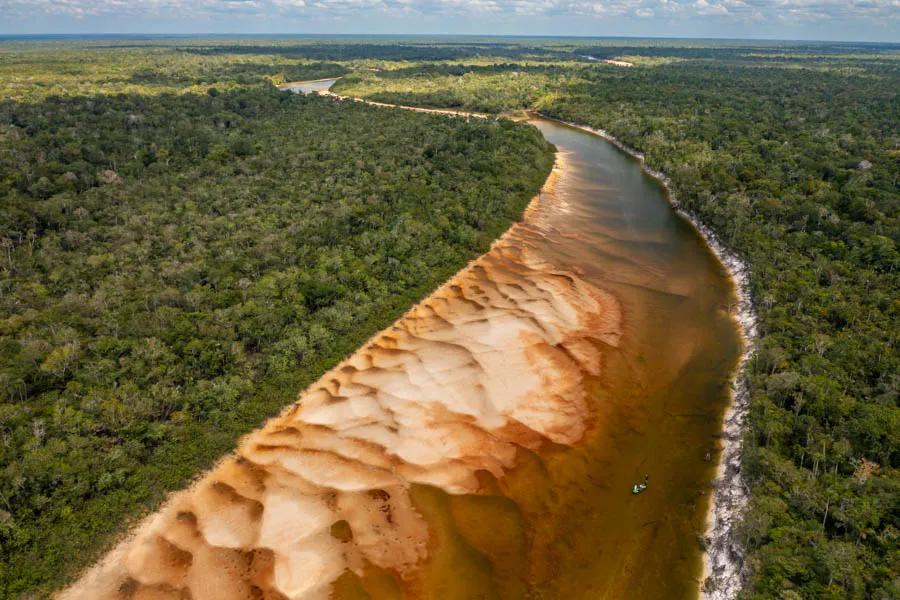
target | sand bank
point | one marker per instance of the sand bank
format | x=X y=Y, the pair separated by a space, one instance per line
x=490 y=362
x=609 y=61
x=439 y=111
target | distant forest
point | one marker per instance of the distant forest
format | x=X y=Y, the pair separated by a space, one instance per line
x=172 y=227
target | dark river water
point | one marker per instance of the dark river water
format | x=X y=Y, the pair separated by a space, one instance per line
x=659 y=403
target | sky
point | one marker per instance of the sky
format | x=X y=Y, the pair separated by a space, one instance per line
x=848 y=20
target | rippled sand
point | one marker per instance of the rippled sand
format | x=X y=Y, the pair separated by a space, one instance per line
x=491 y=362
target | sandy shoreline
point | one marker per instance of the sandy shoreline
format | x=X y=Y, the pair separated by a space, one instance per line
x=609 y=61
x=421 y=109
x=723 y=560
x=491 y=362
x=289 y=84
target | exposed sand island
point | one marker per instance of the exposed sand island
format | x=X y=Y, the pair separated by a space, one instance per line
x=490 y=362
x=610 y=61
x=618 y=63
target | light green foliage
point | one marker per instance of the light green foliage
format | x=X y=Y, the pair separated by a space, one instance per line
x=30 y=72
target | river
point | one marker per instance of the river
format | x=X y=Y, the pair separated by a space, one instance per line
x=486 y=445
x=573 y=528
x=658 y=405
x=309 y=87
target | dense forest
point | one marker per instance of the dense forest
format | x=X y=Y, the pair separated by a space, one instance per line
x=173 y=228
x=176 y=267
x=799 y=174
x=792 y=156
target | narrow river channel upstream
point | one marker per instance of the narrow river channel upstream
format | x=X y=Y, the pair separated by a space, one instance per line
x=487 y=444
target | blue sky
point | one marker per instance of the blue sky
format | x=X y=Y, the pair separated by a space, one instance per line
x=864 y=20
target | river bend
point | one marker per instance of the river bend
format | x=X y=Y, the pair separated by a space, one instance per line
x=486 y=444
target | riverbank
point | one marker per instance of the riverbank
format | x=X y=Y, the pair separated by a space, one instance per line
x=491 y=364
x=297 y=86
x=723 y=559
x=421 y=109
x=292 y=84
x=609 y=61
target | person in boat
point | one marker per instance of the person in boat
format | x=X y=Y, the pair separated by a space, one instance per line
x=640 y=487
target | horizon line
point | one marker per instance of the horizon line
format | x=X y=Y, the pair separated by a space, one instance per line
x=434 y=35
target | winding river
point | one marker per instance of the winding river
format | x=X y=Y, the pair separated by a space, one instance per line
x=486 y=445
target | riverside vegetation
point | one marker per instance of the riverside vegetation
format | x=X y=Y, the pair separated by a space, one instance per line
x=168 y=236
x=175 y=267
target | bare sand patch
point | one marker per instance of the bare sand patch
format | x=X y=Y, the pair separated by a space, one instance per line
x=491 y=362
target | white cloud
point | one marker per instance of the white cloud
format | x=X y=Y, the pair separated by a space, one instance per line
x=794 y=10
x=706 y=8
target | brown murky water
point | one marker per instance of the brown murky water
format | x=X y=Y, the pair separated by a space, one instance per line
x=485 y=445
x=564 y=523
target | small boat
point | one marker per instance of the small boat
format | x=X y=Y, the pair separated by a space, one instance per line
x=640 y=487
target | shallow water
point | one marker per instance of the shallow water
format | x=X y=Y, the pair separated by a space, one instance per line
x=486 y=444
x=567 y=525
x=564 y=523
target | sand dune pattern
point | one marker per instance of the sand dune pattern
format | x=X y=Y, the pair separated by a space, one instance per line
x=492 y=361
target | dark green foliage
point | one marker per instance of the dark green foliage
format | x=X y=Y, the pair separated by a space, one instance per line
x=176 y=268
